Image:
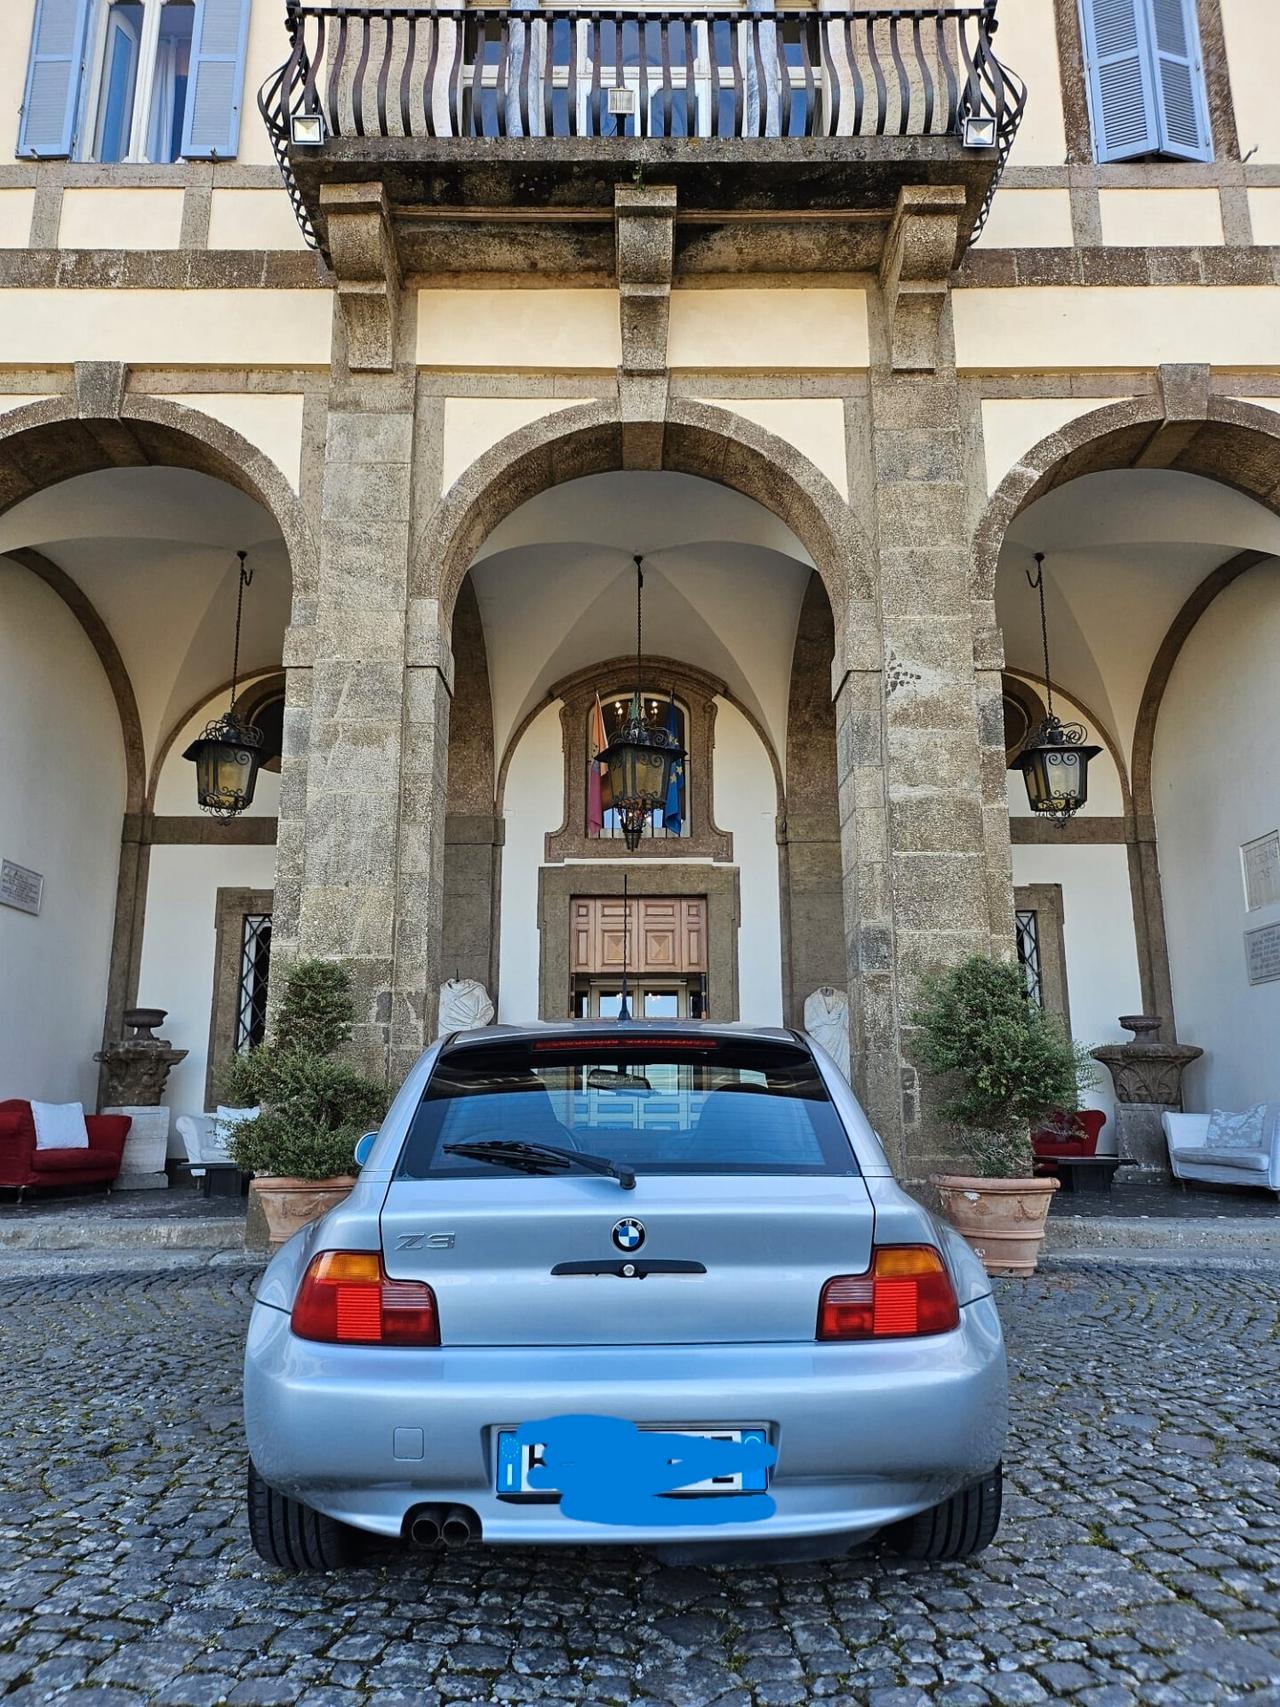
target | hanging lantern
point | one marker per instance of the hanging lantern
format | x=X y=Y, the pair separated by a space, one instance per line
x=226 y=756
x=1054 y=758
x=640 y=756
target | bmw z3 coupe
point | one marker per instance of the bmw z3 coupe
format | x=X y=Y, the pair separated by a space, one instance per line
x=632 y=1283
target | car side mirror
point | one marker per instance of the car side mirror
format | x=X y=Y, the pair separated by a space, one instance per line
x=363 y=1148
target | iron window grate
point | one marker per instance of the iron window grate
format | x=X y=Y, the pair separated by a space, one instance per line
x=1027 y=925
x=251 y=995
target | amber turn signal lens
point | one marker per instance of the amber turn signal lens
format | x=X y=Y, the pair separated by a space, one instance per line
x=346 y=1298
x=906 y=1292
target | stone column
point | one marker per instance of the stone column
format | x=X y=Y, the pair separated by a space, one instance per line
x=348 y=819
x=949 y=867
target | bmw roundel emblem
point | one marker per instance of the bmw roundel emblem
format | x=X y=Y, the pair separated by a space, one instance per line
x=628 y=1235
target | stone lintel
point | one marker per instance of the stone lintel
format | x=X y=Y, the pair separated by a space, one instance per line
x=644 y=235
x=919 y=254
x=1185 y=392
x=100 y=388
x=363 y=252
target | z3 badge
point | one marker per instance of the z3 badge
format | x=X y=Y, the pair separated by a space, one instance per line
x=424 y=1242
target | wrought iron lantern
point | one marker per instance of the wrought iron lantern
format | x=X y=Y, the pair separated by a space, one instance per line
x=226 y=756
x=640 y=756
x=1055 y=756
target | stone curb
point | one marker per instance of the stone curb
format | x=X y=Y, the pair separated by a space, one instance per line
x=67 y=1235
x=1070 y=1235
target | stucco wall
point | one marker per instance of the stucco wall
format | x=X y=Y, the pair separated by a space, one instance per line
x=531 y=807
x=1216 y=785
x=62 y=782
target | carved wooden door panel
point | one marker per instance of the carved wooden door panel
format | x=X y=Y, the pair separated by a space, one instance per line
x=653 y=934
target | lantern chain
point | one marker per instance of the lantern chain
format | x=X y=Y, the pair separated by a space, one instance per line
x=639 y=637
x=246 y=579
x=1037 y=583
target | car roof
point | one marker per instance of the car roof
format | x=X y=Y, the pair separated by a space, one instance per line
x=589 y=1029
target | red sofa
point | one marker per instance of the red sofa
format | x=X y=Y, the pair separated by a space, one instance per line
x=23 y=1166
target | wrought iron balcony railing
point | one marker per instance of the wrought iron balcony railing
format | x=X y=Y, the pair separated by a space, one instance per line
x=418 y=74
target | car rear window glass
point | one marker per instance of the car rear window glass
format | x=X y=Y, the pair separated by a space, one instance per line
x=673 y=1105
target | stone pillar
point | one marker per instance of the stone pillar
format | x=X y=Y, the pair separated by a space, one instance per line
x=949 y=867
x=345 y=809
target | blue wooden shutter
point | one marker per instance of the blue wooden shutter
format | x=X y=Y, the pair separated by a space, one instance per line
x=1122 y=96
x=215 y=87
x=1182 y=105
x=54 y=70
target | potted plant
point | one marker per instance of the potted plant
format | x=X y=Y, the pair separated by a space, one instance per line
x=1005 y=1064
x=313 y=1106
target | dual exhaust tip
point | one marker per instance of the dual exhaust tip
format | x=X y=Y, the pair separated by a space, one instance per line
x=443 y=1526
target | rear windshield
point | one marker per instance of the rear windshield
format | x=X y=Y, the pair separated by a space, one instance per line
x=673 y=1105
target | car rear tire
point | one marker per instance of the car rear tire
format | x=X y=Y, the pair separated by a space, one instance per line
x=292 y=1537
x=956 y=1529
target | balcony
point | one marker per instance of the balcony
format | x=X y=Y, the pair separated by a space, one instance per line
x=499 y=136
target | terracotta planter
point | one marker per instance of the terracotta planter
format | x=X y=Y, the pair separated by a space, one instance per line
x=1003 y=1219
x=288 y=1204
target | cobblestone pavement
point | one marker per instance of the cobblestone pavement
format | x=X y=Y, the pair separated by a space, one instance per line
x=1139 y=1558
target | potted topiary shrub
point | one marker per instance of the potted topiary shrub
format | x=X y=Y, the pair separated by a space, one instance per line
x=1004 y=1064
x=313 y=1106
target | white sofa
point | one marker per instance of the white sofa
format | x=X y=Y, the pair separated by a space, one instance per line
x=199 y=1134
x=1191 y=1159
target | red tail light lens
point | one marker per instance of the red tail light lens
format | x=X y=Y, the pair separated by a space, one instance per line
x=906 y=1291
x=346 y=1299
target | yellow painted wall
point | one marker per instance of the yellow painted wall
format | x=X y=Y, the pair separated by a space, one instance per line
x=15 y=217
x=1028 y=219
x=1160 y=218
x=253 y=219
x=184 y=328
x=272 y=422
x=1028 y=44
x=472 y=425
x=1059 y=328
x=1264 y=212
x=519 y=330
x=120 y=219
x=1011 y=425
x=734 y=331
x=814 y=425
x=1252 y=29
x=13 y=71
x=266 y=50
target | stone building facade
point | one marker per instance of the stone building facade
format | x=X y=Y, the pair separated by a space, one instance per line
x=836 y=379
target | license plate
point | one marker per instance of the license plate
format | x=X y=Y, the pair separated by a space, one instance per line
x=516 y=1461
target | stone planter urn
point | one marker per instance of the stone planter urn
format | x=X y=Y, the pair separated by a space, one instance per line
x=1002 y=1219
x=1147 y=1075
x=135 y=1071
x=279 y=1206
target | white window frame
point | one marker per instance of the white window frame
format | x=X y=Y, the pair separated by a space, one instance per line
x=90 y=117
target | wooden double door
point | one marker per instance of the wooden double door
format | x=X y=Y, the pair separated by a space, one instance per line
x=659 y=942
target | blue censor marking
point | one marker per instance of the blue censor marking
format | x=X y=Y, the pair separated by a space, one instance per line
x=609 y=1471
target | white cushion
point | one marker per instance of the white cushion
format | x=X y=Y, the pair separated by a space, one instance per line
x=1243 y=1161
x=60 y=1126
x=1229 y=1131
x=233 y=1116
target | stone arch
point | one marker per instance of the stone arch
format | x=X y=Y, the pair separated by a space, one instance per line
x=42 y=444
x=711 y=443
x=1220 y=438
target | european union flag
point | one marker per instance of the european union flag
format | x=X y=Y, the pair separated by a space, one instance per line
x=673 y=806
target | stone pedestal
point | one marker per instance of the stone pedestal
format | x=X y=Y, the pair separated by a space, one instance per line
x=1148 y=1083
x=142 y=1164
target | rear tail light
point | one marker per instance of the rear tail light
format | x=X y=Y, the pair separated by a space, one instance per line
x=906 y=1291
x=346 y=1299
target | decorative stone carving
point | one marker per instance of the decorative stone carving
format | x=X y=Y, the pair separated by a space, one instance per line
x=137 y=1067
x=465 y=1004
x=363 y=251
x=644 y=225
x=1147 y=1075
x=826 y=1019
x=919 y=253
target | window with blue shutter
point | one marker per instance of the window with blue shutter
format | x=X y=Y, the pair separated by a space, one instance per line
x=1146 y=80
x=215 y=89
x=58 y=36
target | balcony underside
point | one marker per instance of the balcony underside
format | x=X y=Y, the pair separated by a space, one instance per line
x=545 y=204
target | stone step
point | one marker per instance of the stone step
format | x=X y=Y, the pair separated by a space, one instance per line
x=1208 y=1235
x=71 y=1233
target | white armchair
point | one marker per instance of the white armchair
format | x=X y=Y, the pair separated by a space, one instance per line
x=200 y=1139
x=1192 y=1158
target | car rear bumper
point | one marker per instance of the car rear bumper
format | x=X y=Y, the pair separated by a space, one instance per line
x=866 y=1434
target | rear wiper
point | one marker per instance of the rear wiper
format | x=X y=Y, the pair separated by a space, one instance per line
x=541 y=1158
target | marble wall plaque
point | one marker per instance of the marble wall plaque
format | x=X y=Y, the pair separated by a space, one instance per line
x=20 y=887
x=1262 y=954
x=1260 y=861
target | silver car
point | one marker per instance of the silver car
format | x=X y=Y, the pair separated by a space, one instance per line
x=632 y=1283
